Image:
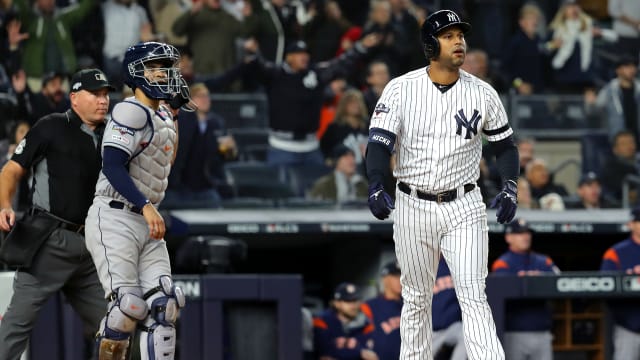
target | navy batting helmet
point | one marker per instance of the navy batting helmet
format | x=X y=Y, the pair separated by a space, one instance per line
x=134 y=66
x=434 y=24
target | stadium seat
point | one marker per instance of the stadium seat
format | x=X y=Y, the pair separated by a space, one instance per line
x=242 y=110
x=257 y=180
x=301 y=178
x=252 y=143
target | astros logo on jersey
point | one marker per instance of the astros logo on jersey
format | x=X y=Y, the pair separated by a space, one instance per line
x=471 y=125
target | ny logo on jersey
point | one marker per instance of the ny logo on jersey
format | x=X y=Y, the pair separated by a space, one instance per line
x=470 y=125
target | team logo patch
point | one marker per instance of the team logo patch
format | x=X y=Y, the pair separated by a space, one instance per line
x=76 y=86
x=20 y=147
x=470 y=125
x=311 y=80
x=119 y=138
x=381 y=108
x=122 y=130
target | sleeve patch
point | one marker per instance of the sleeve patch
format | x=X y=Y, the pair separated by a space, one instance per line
x=121 y=139
x=381 y=108
x=20 y=147
x=382 y=137
x=122 y=129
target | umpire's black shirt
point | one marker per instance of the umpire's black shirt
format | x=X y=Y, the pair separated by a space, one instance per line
x=66 y=161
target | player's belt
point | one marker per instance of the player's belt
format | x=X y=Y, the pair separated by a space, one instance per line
x=440 y=197
x=115 y=204
x=62 y=223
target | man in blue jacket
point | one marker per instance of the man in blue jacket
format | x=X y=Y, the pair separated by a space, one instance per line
x=384 y=312
x=343 y=332
x=624 y=257
x=528 y=325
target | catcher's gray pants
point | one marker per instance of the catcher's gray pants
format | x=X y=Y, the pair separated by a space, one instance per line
x=63 y=263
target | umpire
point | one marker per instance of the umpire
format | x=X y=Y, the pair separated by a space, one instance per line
x=63 y=150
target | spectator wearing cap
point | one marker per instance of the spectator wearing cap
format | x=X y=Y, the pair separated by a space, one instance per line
x=618 y=101
x=50 y=99
x=384 y=312
x=624 y=258
x=343 y=331
x=528 y=322
x=344 y=184
x=590 y=193
x=295 y=96
x=447 y=316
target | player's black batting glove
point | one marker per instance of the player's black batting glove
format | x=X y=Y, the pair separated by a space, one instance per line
x=380 y=203
x=506 y=202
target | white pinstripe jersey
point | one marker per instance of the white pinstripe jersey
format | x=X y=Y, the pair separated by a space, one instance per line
x=438 y=141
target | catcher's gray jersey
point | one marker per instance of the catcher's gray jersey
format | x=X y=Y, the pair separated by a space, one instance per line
x=149 y=137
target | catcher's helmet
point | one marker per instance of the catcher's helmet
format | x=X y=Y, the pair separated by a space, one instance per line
x=134 y=65
x=435 y=23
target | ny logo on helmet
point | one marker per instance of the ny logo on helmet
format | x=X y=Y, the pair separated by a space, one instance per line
x=471 y=125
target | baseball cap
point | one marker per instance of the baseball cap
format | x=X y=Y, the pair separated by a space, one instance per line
x=390 y=268
x=588 y=178
x=90 y=80
x=517 y=226
x=347 y=292
x=341 y=150
x=296 y=47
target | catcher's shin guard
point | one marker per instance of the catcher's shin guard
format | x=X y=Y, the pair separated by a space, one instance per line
x=158 y=335
x=125 y=310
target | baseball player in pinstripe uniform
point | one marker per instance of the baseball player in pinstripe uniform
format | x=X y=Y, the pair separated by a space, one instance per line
x=124 y=231
x=433 y=118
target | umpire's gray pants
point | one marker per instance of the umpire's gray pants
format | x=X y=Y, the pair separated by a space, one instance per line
x=528 y=345
x=63 y=263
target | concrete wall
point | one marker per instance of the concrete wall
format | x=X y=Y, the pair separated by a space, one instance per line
x=556 y=153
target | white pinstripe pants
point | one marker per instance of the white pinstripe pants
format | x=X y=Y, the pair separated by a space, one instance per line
x=421 y=231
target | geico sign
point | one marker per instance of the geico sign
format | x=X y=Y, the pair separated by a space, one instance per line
x=586 y=284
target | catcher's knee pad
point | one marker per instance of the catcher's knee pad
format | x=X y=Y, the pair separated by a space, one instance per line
x=158 y=336
x=126 y=308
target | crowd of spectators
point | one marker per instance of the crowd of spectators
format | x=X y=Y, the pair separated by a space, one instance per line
x=322 y=65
